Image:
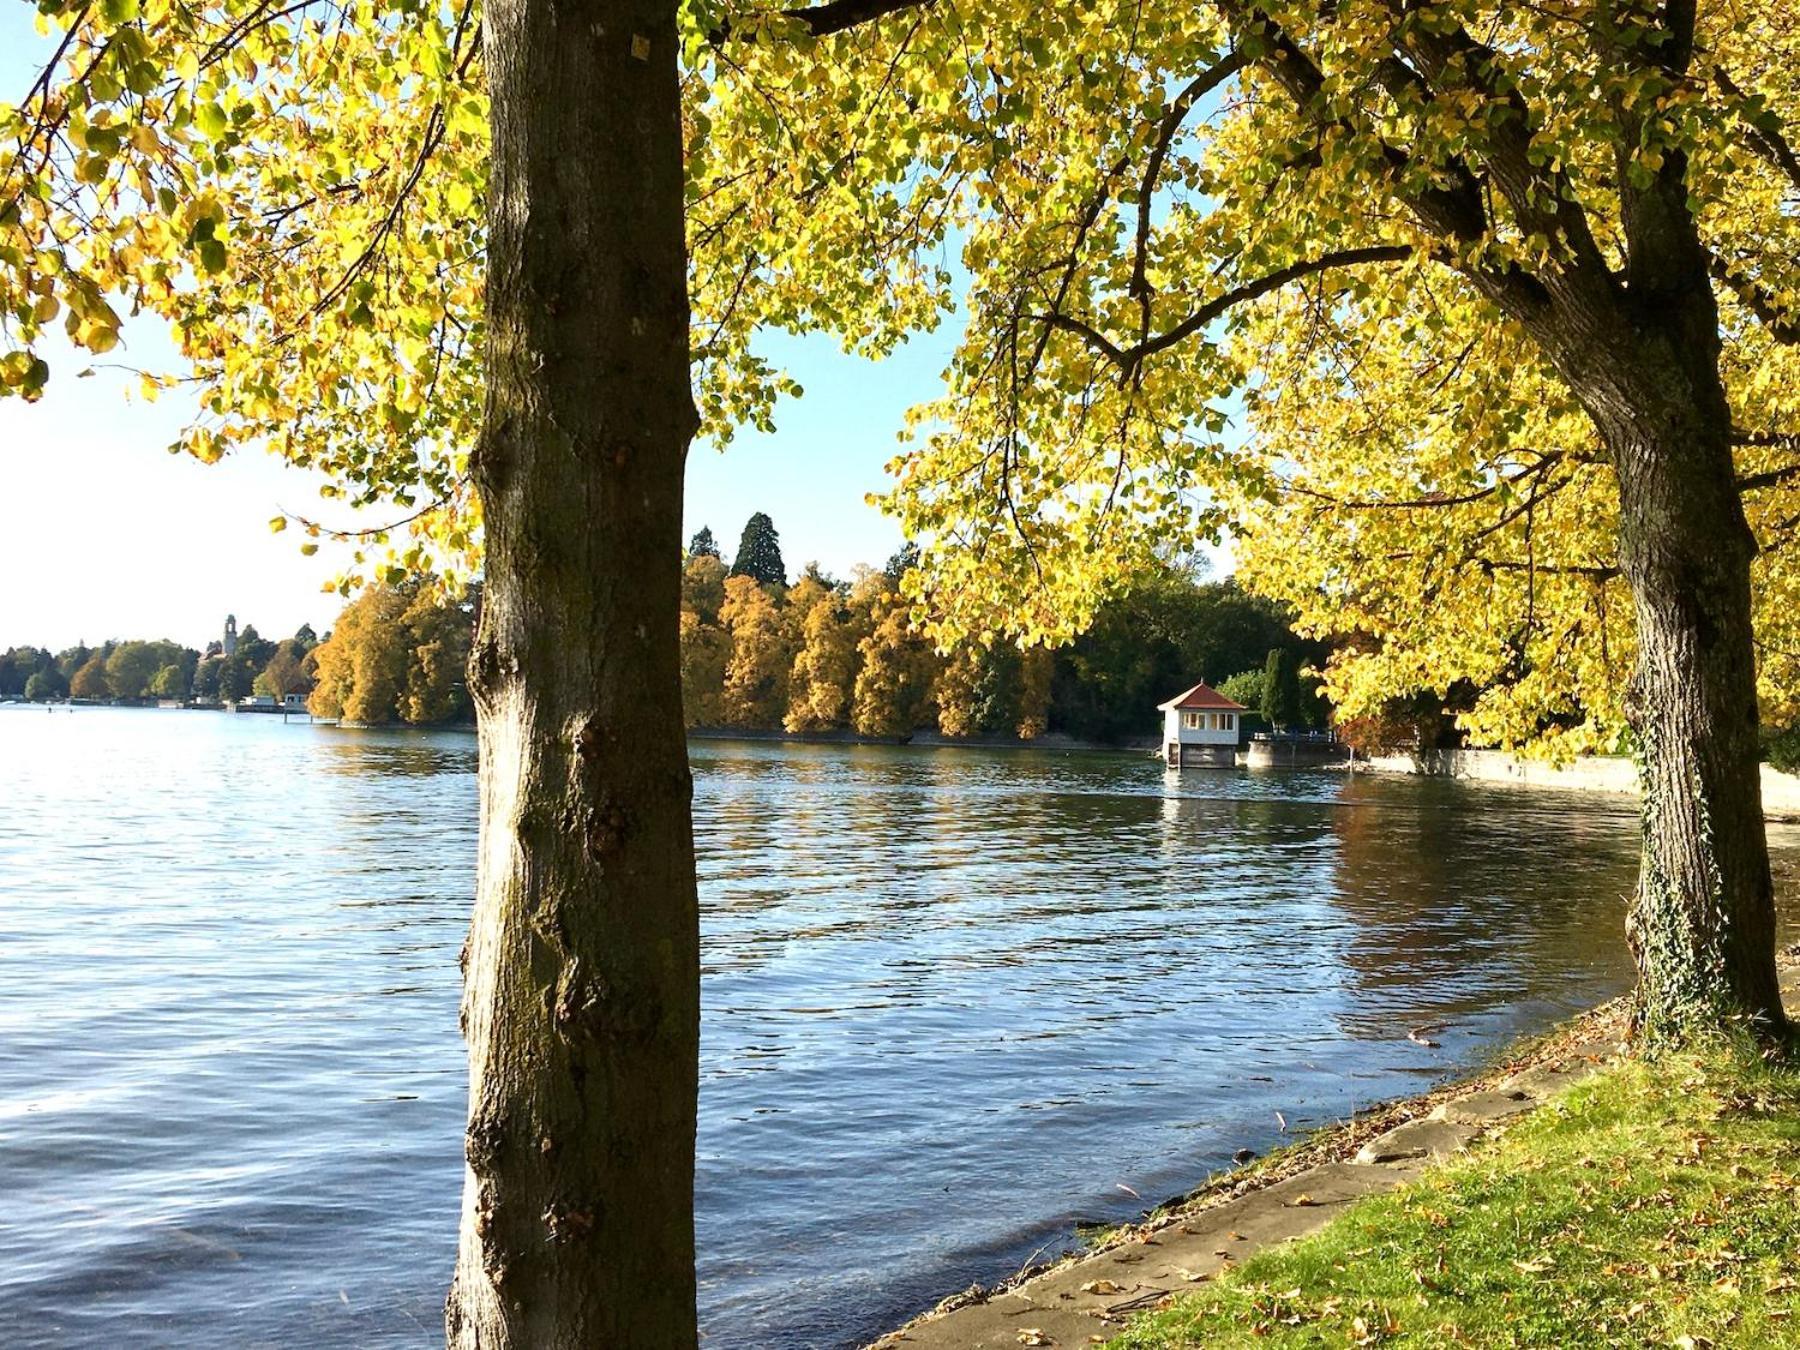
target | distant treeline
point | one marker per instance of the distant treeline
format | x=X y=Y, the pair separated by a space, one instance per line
x=824 y=654
x=757 y=653
x=139 y=671
x=396 y=655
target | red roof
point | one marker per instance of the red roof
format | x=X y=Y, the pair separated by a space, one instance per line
x=1202 y=695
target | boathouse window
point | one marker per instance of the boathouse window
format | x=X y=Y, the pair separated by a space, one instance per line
x=1191 y=721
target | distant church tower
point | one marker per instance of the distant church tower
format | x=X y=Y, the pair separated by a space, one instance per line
x=231 y=635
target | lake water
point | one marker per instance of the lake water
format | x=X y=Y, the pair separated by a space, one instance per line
x=955 y=1000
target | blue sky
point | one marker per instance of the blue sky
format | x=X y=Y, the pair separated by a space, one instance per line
x=102 y=534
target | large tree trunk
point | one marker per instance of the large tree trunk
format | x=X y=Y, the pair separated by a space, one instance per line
x=1702 y=924
x=581 y=1001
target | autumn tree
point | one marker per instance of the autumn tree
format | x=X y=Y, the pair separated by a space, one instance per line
x=705 y=653
x=981 y=690
x=756 y=674
x=361 y=669
x=823 y=677
x=90 y=681
x=397 y=653
x=1582 y=218
x=285 y=673
x=1037 y=671
x=703 y=586
x=955 y=692
x=439 y=630
x=892 y=696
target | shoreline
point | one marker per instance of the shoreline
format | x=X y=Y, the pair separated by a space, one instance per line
x=1614 y=775
x=1289 y=1193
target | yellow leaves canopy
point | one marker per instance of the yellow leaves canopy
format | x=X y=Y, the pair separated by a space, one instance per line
x=1187 y=297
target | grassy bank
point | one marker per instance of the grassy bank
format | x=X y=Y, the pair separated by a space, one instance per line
x=1656 y=1204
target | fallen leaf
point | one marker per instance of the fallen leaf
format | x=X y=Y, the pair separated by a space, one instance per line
x=1102 y=1287
x=1535 y=1266
x=1032 y=1336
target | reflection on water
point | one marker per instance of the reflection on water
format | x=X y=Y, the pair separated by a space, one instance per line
x=954 y=1001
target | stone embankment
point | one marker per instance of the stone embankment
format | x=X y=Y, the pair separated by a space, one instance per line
x=1592 y=773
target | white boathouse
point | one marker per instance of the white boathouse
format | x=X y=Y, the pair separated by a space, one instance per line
x=1200 y=729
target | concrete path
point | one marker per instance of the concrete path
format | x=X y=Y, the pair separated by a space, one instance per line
x=1087 y=1300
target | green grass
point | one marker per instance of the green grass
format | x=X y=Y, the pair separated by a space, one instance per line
x=1658 y=1201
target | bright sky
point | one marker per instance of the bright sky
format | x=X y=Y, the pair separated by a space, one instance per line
x=103 y=534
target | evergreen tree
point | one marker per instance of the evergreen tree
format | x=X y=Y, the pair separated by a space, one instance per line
x=759 y=552
x=1281 y=698
x=703 y=545
x=235 y=678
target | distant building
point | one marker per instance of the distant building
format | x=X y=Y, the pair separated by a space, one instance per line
x=1200 y=729
x=230 y=644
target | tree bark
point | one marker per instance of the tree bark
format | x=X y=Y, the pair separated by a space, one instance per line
x=1702 y=923
x=581 y=998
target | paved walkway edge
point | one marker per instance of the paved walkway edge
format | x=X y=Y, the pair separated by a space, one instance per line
x=1088 y=1298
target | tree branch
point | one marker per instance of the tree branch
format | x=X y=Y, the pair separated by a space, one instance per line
x=1435 y=500
x=1783 y=329
x=1129 y=358
x=1768 y=141
x=1456 y=213
x=832 y=17
x=1197 y=88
